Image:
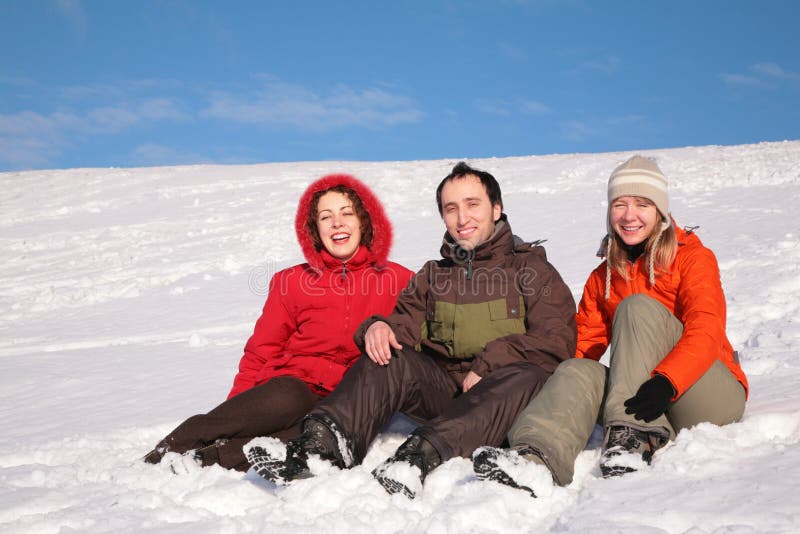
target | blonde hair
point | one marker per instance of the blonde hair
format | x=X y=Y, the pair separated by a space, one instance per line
x=660 y=250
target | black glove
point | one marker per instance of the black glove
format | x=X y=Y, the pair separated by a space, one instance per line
x=651 y=400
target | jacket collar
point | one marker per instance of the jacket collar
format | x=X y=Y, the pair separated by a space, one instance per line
x=501 y=242
x=359 y=260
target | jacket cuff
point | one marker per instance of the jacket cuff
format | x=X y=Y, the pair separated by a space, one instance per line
x=675 y=392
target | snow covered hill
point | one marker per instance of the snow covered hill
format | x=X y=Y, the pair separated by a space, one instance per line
x=126 y=296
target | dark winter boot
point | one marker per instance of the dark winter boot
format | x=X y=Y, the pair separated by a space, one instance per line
x=204 y=456
x=516 y=467
x=209 y=455
x=155 y=456
x=406 y=470
x=628 y=449
x=281 y=467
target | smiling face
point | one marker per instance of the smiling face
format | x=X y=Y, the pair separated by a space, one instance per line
x=467 y=212
x=633 y=219
x=338 y=225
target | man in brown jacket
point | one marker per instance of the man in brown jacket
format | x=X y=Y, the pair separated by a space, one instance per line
x=470 y=341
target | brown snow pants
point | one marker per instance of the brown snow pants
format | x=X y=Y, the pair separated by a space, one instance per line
x=419 y=386
x=581 y=392
x=274 y=408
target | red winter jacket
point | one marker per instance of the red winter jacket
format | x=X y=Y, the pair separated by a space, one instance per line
x=691 y=291
x=313 y=309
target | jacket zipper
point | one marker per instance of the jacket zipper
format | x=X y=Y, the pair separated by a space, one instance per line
x=632 y=271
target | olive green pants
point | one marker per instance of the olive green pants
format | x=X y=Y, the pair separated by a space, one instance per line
x=559 y=421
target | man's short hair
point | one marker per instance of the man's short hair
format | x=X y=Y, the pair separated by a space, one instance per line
x=460 y=170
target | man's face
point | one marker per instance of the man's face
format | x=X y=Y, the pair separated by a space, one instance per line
x=467 y=211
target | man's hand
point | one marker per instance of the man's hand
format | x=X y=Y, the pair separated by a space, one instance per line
x=470 y=380
x=379 y=342
x=651 y=400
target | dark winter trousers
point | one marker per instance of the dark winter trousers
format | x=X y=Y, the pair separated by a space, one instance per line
x=274 y=408
x=417 y=385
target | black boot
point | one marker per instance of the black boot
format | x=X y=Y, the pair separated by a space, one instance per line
x=155 y=456
x=209 y=455
x=318 y=438
x=397 y=474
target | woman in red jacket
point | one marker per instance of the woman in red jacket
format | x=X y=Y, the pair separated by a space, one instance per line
x=303 y=342
x=657 y=303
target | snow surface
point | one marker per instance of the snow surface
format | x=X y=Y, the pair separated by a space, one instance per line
x=126 y=296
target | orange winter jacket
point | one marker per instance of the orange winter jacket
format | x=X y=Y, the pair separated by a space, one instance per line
x=691 y=290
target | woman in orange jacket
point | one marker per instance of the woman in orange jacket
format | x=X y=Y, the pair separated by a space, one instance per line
x=657 y=304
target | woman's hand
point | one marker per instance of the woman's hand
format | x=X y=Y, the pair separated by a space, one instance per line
x=652 y=399
x=470 y=380
x=379 y=342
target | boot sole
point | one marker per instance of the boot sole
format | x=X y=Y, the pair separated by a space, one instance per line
x=392 y=486
x=486 y=468
x=274 y=469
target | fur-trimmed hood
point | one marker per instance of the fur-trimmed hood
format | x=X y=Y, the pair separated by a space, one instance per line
x=381 y=227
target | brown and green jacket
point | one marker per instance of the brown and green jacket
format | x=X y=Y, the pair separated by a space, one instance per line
x=482 y=309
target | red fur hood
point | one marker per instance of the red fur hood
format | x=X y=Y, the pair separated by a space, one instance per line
x=381 y=227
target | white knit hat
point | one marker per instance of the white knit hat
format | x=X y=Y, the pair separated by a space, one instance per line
x=640 y=177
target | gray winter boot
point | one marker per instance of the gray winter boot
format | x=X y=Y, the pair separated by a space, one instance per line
x=406 y=470
x=628 y=449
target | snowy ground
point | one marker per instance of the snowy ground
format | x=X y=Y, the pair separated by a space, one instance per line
x=126 y=296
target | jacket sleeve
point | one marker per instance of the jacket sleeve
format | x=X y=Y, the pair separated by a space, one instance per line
x=408 y=317
x=700 y=306
x=269 y=337
x=594 y=328
x=550 y=325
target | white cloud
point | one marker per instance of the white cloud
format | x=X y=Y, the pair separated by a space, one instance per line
x=158 y=109
x=18 y=81
x=28 y=138
x=534 y=107
x=608 y=127
x=625 y=120
x=604 y=65
x=107 y=120
x=26 y=152
x=775 y=71
x=762 y=76
x=26 y=123
x=153 y=154
x=296 y=106
x=496 y=106
x=740 y=80
x=505 y=108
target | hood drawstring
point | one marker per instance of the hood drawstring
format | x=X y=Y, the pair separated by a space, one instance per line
x=651 y=258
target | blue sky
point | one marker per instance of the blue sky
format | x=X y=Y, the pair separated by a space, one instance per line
x=135 y=83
